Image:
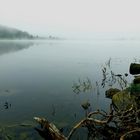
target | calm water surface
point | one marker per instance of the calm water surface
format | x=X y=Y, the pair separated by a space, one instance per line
x=36 y=78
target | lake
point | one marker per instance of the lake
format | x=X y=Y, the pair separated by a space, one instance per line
x=37 y=78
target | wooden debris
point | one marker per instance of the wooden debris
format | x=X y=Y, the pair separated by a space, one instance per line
x=125 y=124
x=48 y=130
x=134 y=134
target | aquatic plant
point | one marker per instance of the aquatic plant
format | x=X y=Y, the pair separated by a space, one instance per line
x=111 y=78
x=82 y=86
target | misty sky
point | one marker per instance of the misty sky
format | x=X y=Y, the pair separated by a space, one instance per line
x=71 y=17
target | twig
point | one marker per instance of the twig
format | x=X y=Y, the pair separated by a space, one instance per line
x=130 y=132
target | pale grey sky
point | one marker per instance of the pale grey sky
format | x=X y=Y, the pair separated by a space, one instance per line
x=71 y=17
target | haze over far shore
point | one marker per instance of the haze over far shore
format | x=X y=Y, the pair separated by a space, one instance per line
x=73 y=18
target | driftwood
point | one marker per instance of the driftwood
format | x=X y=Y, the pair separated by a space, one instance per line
x=136 y=132
x=48 y=130
x=125 y=125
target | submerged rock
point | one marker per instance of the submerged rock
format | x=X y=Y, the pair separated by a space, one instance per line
x=23 y=136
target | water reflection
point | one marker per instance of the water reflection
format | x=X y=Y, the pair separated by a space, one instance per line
x=110 y=78
x=12 y=46
x=82 y=86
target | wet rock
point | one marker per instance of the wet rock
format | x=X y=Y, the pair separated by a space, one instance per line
x=134 y=68
x=85 y=105
x=110 y=92
x=123 y=100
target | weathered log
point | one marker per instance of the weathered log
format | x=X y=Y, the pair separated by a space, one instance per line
x=134 y=68
x=48 y=130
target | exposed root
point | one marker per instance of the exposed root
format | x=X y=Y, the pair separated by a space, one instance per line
x=125 y=124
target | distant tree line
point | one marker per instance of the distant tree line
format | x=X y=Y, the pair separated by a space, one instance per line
x=14 y=34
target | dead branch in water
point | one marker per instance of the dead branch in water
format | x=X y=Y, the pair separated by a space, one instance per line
x=48 y=130
x=127 y=127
